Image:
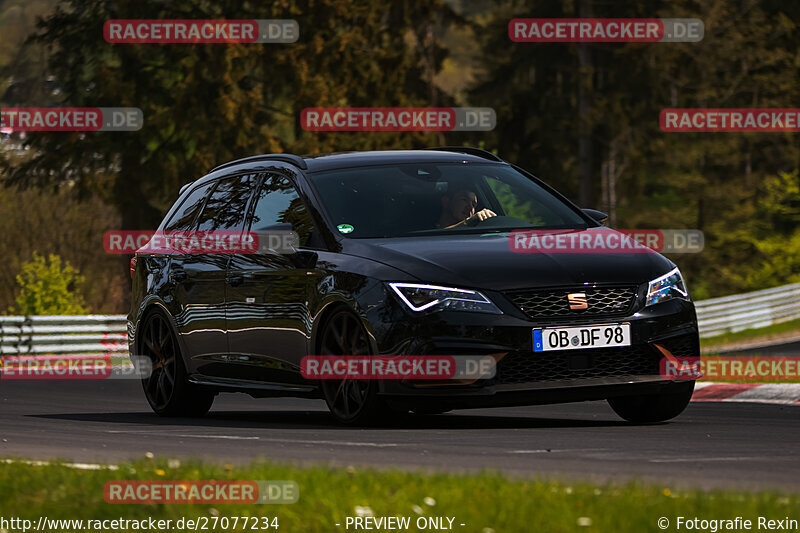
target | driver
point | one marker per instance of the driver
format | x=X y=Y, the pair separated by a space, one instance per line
x=458 y=209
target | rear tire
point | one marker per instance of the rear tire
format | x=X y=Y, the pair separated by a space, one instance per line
x=166 y=386
x=651 y=408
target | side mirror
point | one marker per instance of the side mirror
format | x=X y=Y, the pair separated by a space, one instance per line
x=596 y=215
x=304 y=259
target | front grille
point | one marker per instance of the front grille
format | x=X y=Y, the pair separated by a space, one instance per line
x=602 y=301
x=529 y=367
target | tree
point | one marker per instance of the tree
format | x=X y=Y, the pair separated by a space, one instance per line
x=209 y=103
x=714 y=182
x=205 y=104
x=47 y=288
x=47 y=221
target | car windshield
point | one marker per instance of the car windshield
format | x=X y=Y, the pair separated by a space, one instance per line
x=414 y=199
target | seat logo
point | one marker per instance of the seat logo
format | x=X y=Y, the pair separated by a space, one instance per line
x=577 y=300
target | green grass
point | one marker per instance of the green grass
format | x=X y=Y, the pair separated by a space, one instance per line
x=747 y=334
x=485 y=502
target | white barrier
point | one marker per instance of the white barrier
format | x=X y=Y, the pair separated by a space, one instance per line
x=67 y=334
x=757 y=309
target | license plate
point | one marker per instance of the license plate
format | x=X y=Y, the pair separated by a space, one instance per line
x=582 y=337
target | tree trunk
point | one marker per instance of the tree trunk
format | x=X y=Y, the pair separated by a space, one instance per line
x=585 y=90
x=136 y=213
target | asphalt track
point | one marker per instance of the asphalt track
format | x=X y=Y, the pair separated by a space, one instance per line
x=731 y=445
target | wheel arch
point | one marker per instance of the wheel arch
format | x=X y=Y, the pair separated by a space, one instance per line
x=148 y=308
x=330 y=309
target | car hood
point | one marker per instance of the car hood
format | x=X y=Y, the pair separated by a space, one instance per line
x=486 y=261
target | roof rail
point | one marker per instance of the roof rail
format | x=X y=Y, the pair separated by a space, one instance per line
x=185 y=187
x=467 y=150
x=292 y=159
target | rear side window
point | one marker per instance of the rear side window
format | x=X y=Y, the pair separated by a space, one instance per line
x=277 y=202
x=226 y=207
x=184 y=217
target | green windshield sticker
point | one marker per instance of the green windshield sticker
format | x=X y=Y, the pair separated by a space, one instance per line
x=344 y=228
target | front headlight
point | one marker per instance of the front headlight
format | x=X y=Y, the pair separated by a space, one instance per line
x=420 y=297
x=667 y=287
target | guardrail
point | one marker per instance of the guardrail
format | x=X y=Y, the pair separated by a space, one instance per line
x=757 y=309
x=66 y=334
x=107 y=334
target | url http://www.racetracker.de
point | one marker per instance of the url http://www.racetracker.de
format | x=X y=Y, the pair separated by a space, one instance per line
x=201 y=523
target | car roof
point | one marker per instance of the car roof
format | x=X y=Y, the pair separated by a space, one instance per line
x=321 y=162
x=337 y=160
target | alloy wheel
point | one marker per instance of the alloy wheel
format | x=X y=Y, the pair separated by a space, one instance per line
x=344 y=335
x=159 y=346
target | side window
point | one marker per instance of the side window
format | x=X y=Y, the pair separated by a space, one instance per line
x=277 y=202
x=225 y=208
x=184 y=217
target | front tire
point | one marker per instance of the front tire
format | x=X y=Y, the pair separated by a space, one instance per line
x=353 y=402
x=166 y=386
x=652 y=408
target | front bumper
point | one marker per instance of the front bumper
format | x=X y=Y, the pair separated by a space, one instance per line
x=526 y=377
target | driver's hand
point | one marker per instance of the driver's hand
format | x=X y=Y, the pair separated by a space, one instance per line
x=480 y=216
